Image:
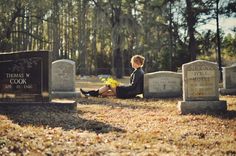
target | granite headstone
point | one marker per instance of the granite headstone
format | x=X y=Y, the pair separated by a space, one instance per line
x=25 y=80
x=24 y=76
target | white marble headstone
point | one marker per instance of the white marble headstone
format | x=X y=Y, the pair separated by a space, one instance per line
x=200 y=88
x=229 y=80
x=200 y=81
x=162 y=84
x=63 y=75
x=229 y=77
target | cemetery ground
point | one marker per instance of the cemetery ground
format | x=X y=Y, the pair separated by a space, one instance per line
x=111 y=126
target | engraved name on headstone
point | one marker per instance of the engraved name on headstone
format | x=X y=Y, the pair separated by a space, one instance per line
x=200 y=81
x=24 y=76
x=200 y=88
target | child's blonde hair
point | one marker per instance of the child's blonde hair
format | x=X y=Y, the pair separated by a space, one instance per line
x=138 y=59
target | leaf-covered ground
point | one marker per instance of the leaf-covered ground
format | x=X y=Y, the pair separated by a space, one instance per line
x=111 y=126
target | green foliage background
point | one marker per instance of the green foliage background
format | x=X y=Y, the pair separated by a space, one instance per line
x=102 y=35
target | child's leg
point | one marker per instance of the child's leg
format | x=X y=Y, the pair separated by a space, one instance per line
x=100 y=91
x=108 y=93
x=113 y=90
x=103 y=89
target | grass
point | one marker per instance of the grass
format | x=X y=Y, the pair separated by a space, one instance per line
x=111 y=126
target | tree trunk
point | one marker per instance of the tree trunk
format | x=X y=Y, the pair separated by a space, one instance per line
x=117 y=55
x=23 y=29
x=66 y=34
x=55 y=31
x=118 y=67
x=191 y=21
x=129 y=52
x=41 y=32
x=82 y=39
x=6 y=35
x=218 y=39
x=148 y=62
x=94 y=42
x=171 y=36
x=19 y=35
x=31 y=31
x=61 y=28
x=73 y=40
x=26 y=40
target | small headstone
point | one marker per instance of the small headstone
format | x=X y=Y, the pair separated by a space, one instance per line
x=64 y=79
x=162 y=84
x=234 y=64
x=229 y=80
x=200 y=88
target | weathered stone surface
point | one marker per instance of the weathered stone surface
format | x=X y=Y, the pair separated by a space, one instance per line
x=63 y=75
x=234 y=64
x=229 y=77
x=63 y=79
x=229 y=81
x=162 y=84
x=200 y=81
x=224 y=91
x=200 y=88
x=188 y=107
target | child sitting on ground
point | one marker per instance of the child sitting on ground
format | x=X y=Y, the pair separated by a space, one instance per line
x=130 y=91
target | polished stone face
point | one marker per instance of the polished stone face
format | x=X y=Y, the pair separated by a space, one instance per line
x=162 y=84
x=24 y=76
x=200 y=81
x=63 y=75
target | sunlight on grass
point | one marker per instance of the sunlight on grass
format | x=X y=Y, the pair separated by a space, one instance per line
x=111 y=126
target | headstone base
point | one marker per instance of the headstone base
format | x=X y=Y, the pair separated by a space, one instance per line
x=198 y=107
x=58 y=104
x=224 y=91
x=164 y=95
x=57 y=94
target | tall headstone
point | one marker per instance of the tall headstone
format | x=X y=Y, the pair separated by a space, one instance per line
x=64 y=79
x=25 y=80
x=200 y=88
x=229 y=80
x=162 y=84
x=24 y=76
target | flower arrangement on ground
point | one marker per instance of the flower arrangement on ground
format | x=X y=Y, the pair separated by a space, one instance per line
x=110 y=81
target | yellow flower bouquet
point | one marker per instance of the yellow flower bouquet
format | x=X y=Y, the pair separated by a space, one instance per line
x=110 y=81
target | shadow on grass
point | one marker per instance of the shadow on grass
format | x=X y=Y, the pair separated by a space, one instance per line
x=229 y=114
x=119 y=103
x=52 y=117
x=133 y=104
